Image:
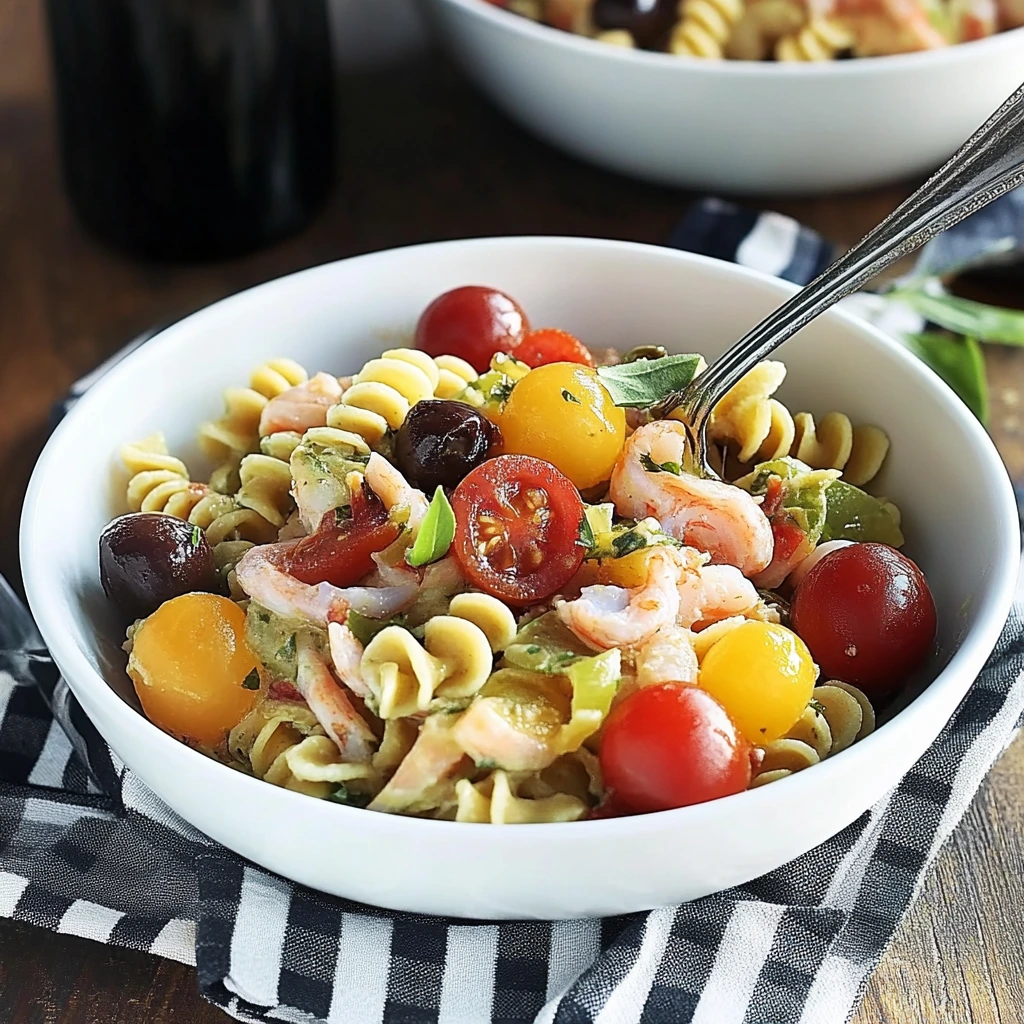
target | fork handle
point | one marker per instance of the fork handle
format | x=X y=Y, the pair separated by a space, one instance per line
x=987 y=166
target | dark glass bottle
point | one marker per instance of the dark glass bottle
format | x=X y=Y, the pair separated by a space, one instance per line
x=194 y=129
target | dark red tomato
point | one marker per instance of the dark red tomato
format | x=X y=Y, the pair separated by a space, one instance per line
x=472 y=323
x=669 y=746
x=550 y=345
x=340 y=551
x=517 y=528
x=867 y=615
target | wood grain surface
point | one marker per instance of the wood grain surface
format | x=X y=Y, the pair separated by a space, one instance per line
x=422 y=158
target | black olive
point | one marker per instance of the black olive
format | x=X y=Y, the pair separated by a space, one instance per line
x=648 y=21
x=440 y=442
x=147 y=558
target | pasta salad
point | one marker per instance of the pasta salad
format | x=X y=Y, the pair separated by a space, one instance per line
x=474 y=581
x=782 y=30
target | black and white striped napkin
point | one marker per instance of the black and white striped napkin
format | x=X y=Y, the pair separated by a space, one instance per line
x=86 y=849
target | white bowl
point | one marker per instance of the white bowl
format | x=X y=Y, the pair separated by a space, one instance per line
x=736 y=126
x=944 y=473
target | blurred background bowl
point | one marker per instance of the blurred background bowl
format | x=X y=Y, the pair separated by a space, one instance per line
x=733 y=126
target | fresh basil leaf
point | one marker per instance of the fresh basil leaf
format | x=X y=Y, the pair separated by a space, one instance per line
x=853 y=514
x=959 y=362
x=586 y=538
x=647 y=382
x=659 y=467
x=965 y=316
x=437 y=531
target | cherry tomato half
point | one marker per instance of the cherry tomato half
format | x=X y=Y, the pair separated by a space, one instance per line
x=340 y=551
x=672 y=745
x=517 y=527
x=550 y=345
x=867 y=615
x=472 y=323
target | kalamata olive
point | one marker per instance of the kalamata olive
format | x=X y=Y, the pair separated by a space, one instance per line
x=440 y=442
x=147 y=558
x=648 y=21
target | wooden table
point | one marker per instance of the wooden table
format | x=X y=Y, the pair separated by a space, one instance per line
x=424 y=158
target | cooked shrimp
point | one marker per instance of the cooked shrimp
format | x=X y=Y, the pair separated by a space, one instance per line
x=301 y=407
x=707 y=514
x=668 y=657
x=261 y=576
x=973 y=19
x=1011 y=13
x=395 y=491
x=347 y=653
x=883 y=27
x=419 y=781
x=714 y=592
x=330 y=704
x=489 y=735
x=606 y=617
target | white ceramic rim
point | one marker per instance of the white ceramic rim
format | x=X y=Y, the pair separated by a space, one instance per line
x=967 y=661
x=733 y=68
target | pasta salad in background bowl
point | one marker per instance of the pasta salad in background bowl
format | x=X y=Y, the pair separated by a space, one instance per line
x=750 y=96
x=457 y=587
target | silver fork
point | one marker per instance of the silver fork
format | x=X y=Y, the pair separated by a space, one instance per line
x=988 y=165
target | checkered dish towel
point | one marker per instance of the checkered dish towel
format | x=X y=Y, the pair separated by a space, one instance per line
x=86 y=849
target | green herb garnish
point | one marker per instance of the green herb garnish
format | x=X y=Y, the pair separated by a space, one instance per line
x=343 y=795
x=817 y=707
x=646 y=382
x=287 y=651
x=586 y=538
x=570 y=397
x=437 y=531
x=660 y=467
x=342 y=514
x=197 y=536
x=252 y=680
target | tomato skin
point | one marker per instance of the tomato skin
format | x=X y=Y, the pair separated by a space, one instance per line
x=517 y=523
x=340 y=551
x=473 y=323
x=551 y=345
x=867 y=615
x=672 y=745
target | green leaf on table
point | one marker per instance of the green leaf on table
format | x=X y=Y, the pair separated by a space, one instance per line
x=437 y=531
x=965 y=316
x=959 y=362
x=647 y=382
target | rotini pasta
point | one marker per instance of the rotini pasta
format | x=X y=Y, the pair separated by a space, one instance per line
x=764 y=22
x=159 y=482
x=704 y=27
x=266 y=485
x=221 y=518
x=383 y=392
x=282 y=743
x=454 y=376
x=839 y=714
x=496 y=800
x=763 y=429
x=236 y=433
x=489 y=615
x=404 y=676
x=819 y=40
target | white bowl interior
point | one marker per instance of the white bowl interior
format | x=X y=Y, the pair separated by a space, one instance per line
x=943 y=472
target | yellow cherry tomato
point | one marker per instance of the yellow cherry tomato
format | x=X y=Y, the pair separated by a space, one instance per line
x=763 y=675
x=562 y=413
x=189 y=662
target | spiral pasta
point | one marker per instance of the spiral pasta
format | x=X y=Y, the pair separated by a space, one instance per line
x=282 y=743
x=704 y=27
x=266 y=484
x=404 y=677
x=454 y=376
x=236 y=433
x=763 y=24
x=839 y=714
x=819 y=40
x=491 y=616
x=159 y=482
x=835 y=443
x=383 y=392
x=495 y=799
x=221 y=518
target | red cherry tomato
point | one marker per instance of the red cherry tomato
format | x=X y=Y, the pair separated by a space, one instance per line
x=867 y=615
x=339 y=552
x=473 y=323
x=517 y=528
x=550 y=345
x=669 y=746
